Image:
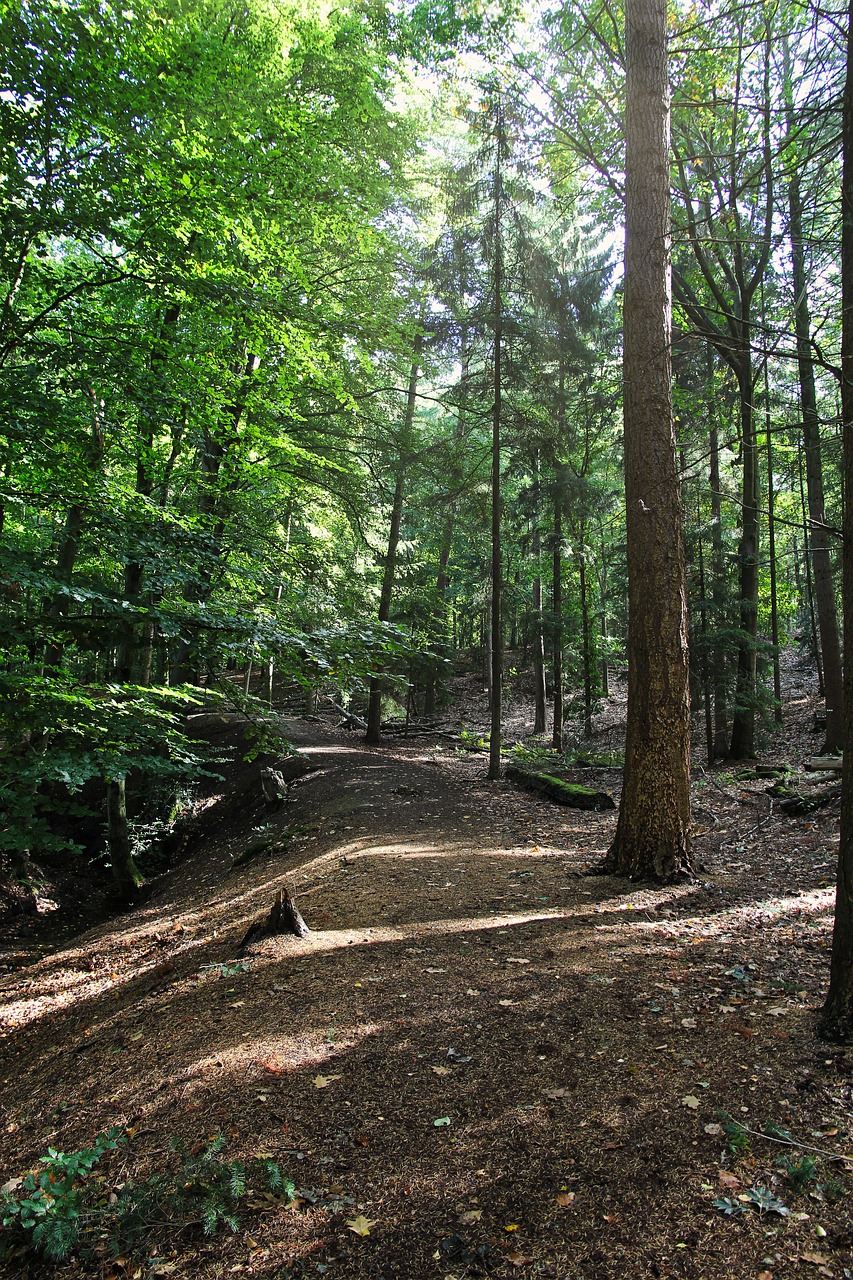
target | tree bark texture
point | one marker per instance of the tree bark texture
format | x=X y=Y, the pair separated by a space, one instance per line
x=494 y=770
x=821 y=562
x=538 y=616
x=557 y=603
x=653 y=834
x=837 y=1016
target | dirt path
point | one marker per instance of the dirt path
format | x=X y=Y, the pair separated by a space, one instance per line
x=504 y=1065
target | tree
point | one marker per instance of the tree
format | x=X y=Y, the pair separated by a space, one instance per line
x=837 y=1013
x=652 y=837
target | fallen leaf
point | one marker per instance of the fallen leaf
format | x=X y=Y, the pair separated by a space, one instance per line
x=816 y=1259
x=471 y=992
x=470 y=1215
x=516 y=960
x=715 y=1130
x=765 y=1275
x=273 y=1068
x=435 y=971
x=690 y=1023
x=690 y=1101
x=511 y=1226
x=728 y=1180
x=442 y=1120
x=361 y=1225
x=778 y=1009
x=565 y=1198
x=556 y=1093
x=323 y=1082
x=518 y=1259
x=10 y=1186
x=507 y=1003
x=442 y=1071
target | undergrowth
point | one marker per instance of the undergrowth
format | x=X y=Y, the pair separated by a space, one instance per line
x=68 y=1203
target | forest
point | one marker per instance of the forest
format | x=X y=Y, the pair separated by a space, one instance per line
x=462 y=392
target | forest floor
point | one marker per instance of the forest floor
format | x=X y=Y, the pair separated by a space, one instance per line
x=482 y=1060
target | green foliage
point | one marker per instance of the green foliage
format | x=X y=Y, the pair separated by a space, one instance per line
x=59 y=1207
x=801 y=1171
x=737 y=1135
x=49 y=1204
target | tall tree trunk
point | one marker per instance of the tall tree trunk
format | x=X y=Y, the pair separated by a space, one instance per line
x=810 y=595
x=653 y=833
x=718 y=661
x=539 y=692
x=743 y=720
x=494 y=770
x=771 y=542
x=374 y=706
x=821 y=562
x=837 y=1016
x=586 y=634
x=557 y=601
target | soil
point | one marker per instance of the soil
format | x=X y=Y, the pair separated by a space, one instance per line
x=483 y=1059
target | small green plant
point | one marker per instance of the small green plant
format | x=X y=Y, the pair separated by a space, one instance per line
x=47 y=1204
x=737 y=1135
x=56 y=1208
x=204 y=1191
x=801 y=1171
x=227 y=969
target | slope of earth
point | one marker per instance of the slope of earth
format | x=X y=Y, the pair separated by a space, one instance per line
x=482 y=1060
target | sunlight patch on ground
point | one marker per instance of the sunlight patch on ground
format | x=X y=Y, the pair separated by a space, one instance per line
x=280 y=1055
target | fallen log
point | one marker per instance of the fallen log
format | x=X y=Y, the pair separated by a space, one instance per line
x=826 y=762
x=797 y=806
x=561 y=792
x=283 y=917
x=351 y=721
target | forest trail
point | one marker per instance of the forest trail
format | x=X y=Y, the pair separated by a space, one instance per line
x=503 y=1064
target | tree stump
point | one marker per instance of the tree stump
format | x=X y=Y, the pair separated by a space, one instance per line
x=283 y=917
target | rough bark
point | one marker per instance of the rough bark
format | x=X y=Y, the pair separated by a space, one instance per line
x=837 y=1015
x=557 y=601
x=539 y=691
x=743 y=721
x=718 y=570
x=494 y=770
x=653 y=833
x=821 y=562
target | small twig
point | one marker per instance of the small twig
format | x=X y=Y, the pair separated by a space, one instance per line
x=792 y=1142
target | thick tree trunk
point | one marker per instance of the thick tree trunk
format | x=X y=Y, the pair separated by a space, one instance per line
x=821 y=563
x=494 y=770
x=539 y=692
x=743 y=721
x=653 y=834
x=824 y=587
x=837 y=1016
x=557 y=600
x=771 y=545
x=586 y=636
x=718 y=661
